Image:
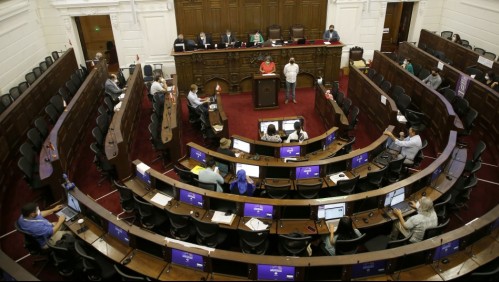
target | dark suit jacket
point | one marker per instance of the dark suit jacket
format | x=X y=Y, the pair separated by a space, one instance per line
x=200 y=44
x=112 y=89
x=226 y=40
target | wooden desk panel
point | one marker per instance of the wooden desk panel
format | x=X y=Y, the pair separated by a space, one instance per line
x=179 y=273
x=171 y=127
x=147 y=264
x=219 y=117
x=287 y=226
x=234 y=68
x=112 y=248
x=459 y=264
x=330 y=112
x=93 y=232
x=484 y=250
x=418 y=273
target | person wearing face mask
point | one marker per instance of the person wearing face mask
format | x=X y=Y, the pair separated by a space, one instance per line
x=257 y=38
x=291 y=70
x=33 y=222
x=331 y=35
x=200 y=104
x=228 y=38
x=456 y=38
x=112 y=88
x=417 y=224
x=433 y=80
x=408 y=66
x=203 y=40
x=490 y=80
x=267 y=66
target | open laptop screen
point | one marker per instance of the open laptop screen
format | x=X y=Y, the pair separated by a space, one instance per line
x=191 y=198
x=258 y=210
x=198 y=155
x=187 y=259
x=118 y=233
x=332 y=211
x=73 y=203
x=360 y=160
x=289 y=152
x=251 y=170
x=395 y=197
x=241 y=145
x=307 y=172
x=275 y=272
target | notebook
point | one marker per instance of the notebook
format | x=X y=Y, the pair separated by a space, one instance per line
x=71 y=210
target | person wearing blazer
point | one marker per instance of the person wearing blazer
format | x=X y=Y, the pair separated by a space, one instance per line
x=228 y=38
x=202 y=40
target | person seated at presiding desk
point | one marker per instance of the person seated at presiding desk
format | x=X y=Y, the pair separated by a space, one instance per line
x=271 y=135
x=257 y=38
x=33 y=222
x=433 y=80
x=179 y=40
x=409 y=146
x=112 y=88
x=211 y=174
x=243 y=185
x=267 y=66
x=202 y=40
x=225 y=148
x=298 y=135
x=228 y=38
x=345 y=231
x=417 y=224
x=408 y=65
x=196 y=102
x=331 y=34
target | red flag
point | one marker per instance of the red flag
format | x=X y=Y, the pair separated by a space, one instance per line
x=138 y=57
x=70 y=42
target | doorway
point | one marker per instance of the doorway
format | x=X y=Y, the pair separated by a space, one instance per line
x=96 y=36
x=397 y=24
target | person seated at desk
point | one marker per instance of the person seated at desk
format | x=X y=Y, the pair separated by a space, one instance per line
x=408 y=65
x=298 y=135
x=200 y=104
x=243 y=185
x=33 y=222
x=211 y=174
x=159 y=88
x=202 y=40
x=271 y=135
x=228 y=38
x=224 y=148
x=433 y=80
x=345 y=231
x=179 y=40
x=267 y=66
x=112 y=88
x=417 y=224
x=490 y=80
x=257 y=38
x=410 y=145
x=456 y=39
x=331 y=34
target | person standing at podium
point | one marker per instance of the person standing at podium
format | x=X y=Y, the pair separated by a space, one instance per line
x=291 y=70
x=267 y=66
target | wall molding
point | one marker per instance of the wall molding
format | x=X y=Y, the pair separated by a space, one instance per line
x=11 y=9
x=480 y=4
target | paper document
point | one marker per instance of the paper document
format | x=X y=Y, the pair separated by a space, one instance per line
x=196 y=169
x=220 y=217
x=336 y=177
x=117 y=107
x=218 y=127
x=255 y=224
x=161 y=199
x=327 y=43
x=289 y=159
x=268 y=74
x=401 y=119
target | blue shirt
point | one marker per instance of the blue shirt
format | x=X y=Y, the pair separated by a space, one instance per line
x=38 y=227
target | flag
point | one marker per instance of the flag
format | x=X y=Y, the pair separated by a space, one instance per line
x=218 y=88
x=70 y=42
x=138 y=57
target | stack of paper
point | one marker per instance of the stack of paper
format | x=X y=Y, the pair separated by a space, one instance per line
x=338 y=176
x=401 y=119
x=196 y=169
x=121 y=97
x=255 y=224
x=220 y=217
x=161 y=199
x=218 y=127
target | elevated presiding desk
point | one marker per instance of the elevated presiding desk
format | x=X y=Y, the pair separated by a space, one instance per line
x=235 y=66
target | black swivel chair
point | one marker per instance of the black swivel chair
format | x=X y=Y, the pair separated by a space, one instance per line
x=309 y=190
x=373 y=180
x=277 y=190
x=382 y=242
x=64 y=259
x=103 y=122
x=186 y=176
x=95 y=266
x=347 y=103
x=29 y=174
x=37 y=71
x=33 y=247
x=99 y=137
x=371 y=73
x=30 y=155
x=71 y=87
x=403 y=102
x=441 y=208
x=55 y=55
x=394 y=170
x=477 y=154
x=348 y=247
x=64 y=93
x=127 y=276
x=157 y=143
x=30 y=78
x=378 y=79
x=345 y=187
x=435 y=231
x=14 y=92
x=423 y=73
x=415 y=119
x=468 y=124
x=340 y=97
x=352 y=120
x=386 y=86
x=293 y=244
x=23 y=86
x=52 y=113
x=208 y=233
x=42 y=127
x=106 y=169
x=205 y=185
x=149 y=217
x=347 y=148
x=126 y=201
x=180 y=226
x=58 y=103
x=254 y=241
x=461 y=106
x=35 y=138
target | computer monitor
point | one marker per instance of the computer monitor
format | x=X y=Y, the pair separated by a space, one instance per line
x=187 y=259
x=368 y=268
x=264 y=150
x=395 y=197
x=241 y=145
x=275 y=272
x=179 y=47
x=258 y=210
x=251 y=170
x=118 y=233
x=446 y=250
x=314 y=146
x=331 y=211
x=191 y=198
x=330 y=139
x=289 y=124
x=198 y=155
x=360 y=160
x=289 y=152
x=265 y=124
x=73 y=203
x=304 y=172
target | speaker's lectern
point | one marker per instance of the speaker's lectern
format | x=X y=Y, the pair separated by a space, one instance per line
x=265 y=91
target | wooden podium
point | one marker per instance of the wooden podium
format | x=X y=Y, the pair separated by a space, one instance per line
x=265 y=91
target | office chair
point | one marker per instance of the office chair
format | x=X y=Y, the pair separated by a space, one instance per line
x=403 y=101
x=49 y=60
x=382 y=242
x=30 y=78
x=95 y=266
x=208 y=233
x=23 y=86
x=340 y=97
x=467 y=45
x=464 y=41
x=397 y=91
x=76 y=79
x=441 y=207
x=30 y=155
x=125 y=276
x=274 y=32
x=468 y=124
x=110 y=106
x=347 y=103
x=423 y=73
x=435 y=231
x=52 y=114
x=449 y=95
x=58 y=104
x=371 y=73
x=186 y=176
x=386 y=86
x=309 y=190
x=98 y=137
x=446 y=34
x=126 y=201
x=349 y=247
x=277 y=191
x=488 y=272
x=205 y=185
x=37 y=71
x=394 y=170
x=64 y=259
x=35 y=138
x=489 y=55
x=6 y=100
x=64 y=93
x=81 y=75
x=378 y=78
x=352 y=120
x=180 y=226
x=297 y=32
x=42 y=127
x=85 y=70
x=102 y=122
x=149 y=217
x=416 y=68
x=157 y=144
x=480 y=51
x=415 y=119
x=14 y=93
x=471 y=71
x=55 y=55
x=103 y=165
x=347 y=148
x=293 y=244
x=33 y=247
x=148 y=73
x=254 y=241
x=373 y=180
x=71 y=87
x=344 y=187
x=461 y=106
x=477 y=156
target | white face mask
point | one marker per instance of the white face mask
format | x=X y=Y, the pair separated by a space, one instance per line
x=115 y=81
x=38 y=212
x=487 y=77
x=417 y=205
x=405 y=62
x=228 y=34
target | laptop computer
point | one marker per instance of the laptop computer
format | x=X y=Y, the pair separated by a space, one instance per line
x=223 y=169
x=395 y=200
x=71 y=210
x=332 y=213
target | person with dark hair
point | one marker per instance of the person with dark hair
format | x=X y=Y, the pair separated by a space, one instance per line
x=112 y=88
x=158 y=88
x=417 y=224
x=299 y=134
x=433 y=80
x=211 y=174
x=490 y=80
x=271 y=135
x=267 y=66
x=225 y=147
x=291 y=71
x=345 y=231
x=196 y=102
x=457 y=39
x=410 y=146
x=179 y=39
x=243 y=185
x=228 y=38
x=331 y=34
x=408 y=66
x=257 y=38
x=33 y=222
x=203 y=40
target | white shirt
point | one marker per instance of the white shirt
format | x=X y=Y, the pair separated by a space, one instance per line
x=194 y=99
x=294 y=136
x=156 y=87
x=410 y=146
x=291 y=71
